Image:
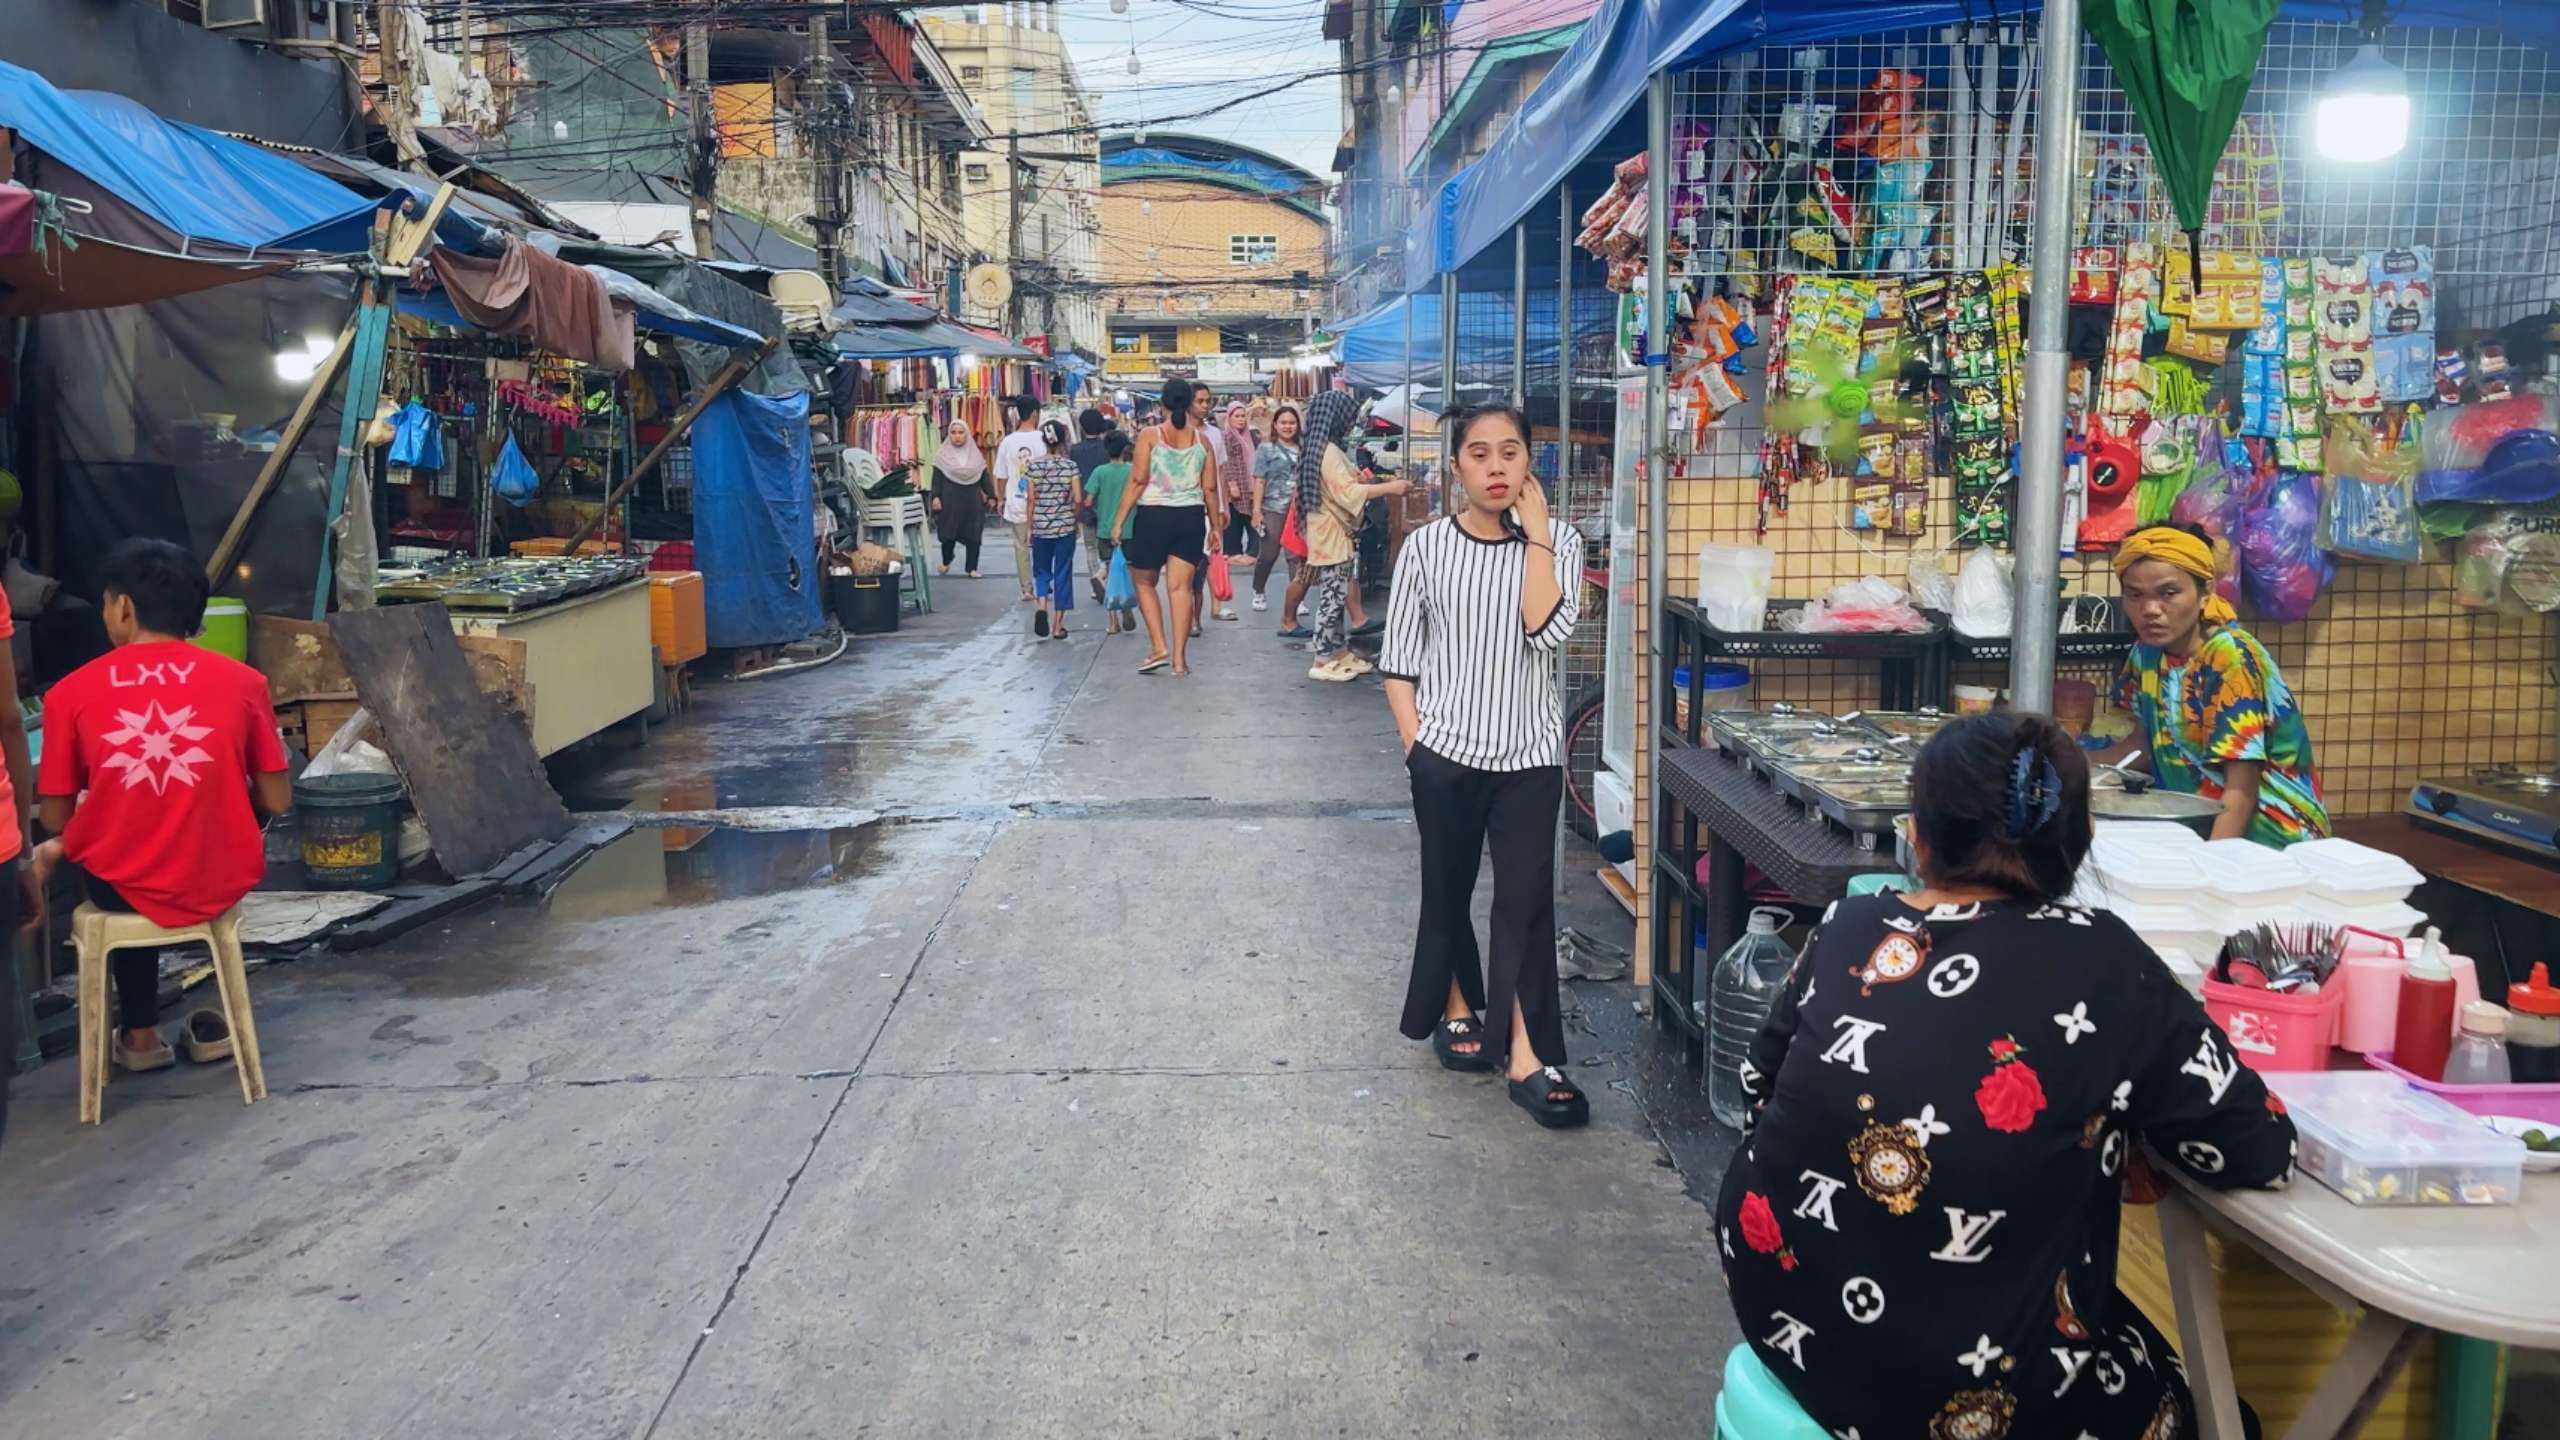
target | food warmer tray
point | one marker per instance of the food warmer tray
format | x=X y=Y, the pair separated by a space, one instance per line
x=1867 y=812
x=1798 y=779
x=1759 y=749
x=1731 y=726
x=1913 y=725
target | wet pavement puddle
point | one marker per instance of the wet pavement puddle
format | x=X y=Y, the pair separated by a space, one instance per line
x=673 y=867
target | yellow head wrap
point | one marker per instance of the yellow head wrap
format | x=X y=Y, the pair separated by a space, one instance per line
x=2176 y=547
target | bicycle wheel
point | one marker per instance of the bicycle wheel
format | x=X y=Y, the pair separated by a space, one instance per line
x=1582 y=761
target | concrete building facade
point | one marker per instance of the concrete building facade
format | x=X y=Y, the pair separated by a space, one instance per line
x=1028 y=194
x=1213 y=258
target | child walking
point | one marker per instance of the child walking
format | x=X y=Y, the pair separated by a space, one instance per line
x=1056 y=491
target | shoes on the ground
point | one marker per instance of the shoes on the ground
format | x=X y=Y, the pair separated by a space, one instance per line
x=1040 y=623
x=1333 y=670
x=1228 y=612
x=1370 y=628
x=207 y=1037
x=1358 y=665
x=1297 y=632
x=1261 y=602
x=139 y=1061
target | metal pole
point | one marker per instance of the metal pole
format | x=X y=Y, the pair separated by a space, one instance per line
x=1564 y=343
x=2033 y=623
x=1448 y=343
x=1520 y=314
x=1409 y=396
x=704 y=170
x=1657 y=476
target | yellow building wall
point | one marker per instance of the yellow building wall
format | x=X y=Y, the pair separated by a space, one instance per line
x=1182 y=229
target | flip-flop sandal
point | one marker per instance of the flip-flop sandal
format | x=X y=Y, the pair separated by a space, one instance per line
x=1152 y=666
x=1451 y=1033
x=206 y=1037
x=137 y=1063
x=1537 y=1095
x=1040 y=624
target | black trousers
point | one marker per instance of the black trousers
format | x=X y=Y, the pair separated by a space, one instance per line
x=137 y=972
x=1459 y=811
x=1239 y=533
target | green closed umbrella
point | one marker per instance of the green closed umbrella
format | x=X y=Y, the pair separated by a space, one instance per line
x=2186 y=66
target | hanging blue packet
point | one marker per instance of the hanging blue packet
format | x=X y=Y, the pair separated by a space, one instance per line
x=417 y=438
x=1119 y=592
x=513 y=478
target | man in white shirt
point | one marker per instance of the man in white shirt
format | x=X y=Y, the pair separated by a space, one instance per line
x=1018 y=450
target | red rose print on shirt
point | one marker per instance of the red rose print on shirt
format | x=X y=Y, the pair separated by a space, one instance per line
x=2010 y=1095
x=1760 y=1229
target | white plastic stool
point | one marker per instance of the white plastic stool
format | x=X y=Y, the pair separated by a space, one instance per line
x=909 y=524
x=99 y=933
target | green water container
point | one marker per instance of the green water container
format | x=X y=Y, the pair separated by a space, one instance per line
x=226 y=628
x=350 y=830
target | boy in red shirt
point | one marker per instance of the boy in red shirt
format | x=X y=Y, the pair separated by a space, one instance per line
x=168 y=740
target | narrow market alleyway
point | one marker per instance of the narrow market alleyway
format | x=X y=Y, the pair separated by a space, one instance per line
x=1065 y=1101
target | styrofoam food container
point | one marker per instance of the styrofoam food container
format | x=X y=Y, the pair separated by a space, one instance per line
x=2142 y=874
x=2394 y=917
x=2348 y=874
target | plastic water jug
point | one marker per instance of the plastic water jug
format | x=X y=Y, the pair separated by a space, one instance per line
x=1743 y=989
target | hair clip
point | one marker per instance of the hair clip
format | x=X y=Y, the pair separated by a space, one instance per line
x=2033 y=796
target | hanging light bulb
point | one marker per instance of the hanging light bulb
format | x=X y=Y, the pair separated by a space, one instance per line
x=1145 y=207
x=1142 y=134
x=2363 y=112
x=559 y=129
x=1119 y=7
x=1395 y=94
x=1133 y=62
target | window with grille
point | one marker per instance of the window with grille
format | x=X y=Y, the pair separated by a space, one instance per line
x=1253 y=249
x=1145 y=340
x=978 y=172
x=972 y=74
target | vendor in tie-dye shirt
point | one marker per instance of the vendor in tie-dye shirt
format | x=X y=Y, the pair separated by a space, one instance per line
x=2213 y=713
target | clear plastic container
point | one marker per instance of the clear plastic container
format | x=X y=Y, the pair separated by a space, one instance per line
x=2377 y=1141
x=1744 y=987
x=2479 y=1055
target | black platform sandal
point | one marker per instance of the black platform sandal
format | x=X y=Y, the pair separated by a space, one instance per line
x=1538 y=1093
x=1449 y=1035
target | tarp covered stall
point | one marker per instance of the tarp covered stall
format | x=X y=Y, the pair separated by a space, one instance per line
x=755 y=535
x=44 y=269
x=707 y=293
x=198 y=186
x=121 y=415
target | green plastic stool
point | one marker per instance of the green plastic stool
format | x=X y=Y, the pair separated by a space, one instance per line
x=1755 y=1405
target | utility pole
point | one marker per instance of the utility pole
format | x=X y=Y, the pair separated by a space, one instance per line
x=390 y=31
x=826 y=164
x=706 y=145
x=1013 y=228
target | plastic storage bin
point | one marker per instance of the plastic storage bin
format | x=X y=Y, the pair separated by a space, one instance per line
x=2274 y=1032
x=1720 y=687
x=2525 y=1102
x=2376 y=1140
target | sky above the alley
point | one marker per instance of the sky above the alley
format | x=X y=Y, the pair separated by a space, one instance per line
x=1196 y=54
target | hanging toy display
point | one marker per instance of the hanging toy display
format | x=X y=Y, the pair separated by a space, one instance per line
x=2113 y=478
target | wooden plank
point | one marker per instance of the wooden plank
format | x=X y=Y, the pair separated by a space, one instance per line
x=472 y=773
x=301 y=662
x=740 y=362
x=290 y=440
x=410 y=911
x=566 y=855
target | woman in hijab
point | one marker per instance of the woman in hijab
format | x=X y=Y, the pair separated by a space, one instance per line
x=960 y=494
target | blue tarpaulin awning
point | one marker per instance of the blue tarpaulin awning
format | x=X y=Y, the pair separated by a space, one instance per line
x=1595 y=88
x=199 y=185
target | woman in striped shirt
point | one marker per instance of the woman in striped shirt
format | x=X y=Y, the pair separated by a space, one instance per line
x=1482 y=601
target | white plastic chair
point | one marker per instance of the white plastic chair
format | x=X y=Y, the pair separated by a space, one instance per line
x=905 y=523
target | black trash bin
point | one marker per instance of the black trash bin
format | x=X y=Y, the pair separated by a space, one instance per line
x=865 y=604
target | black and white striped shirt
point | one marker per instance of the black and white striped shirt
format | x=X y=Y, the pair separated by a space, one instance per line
x=1485 y=689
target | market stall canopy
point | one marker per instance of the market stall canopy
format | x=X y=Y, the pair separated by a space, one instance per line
x=934 y=339
x=661 y=315
x=201 y=186
x=2186 y=66
x=1575 y=118
x=867 y=302
x=566 y=309
x=44 y=269
x=1370 y=348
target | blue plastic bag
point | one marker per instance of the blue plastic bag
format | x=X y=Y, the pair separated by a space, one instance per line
x=1119 y=592
x=417 y=438
x=513 y=477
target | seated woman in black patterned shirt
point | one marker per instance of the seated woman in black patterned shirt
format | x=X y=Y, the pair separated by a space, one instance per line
x=1920 y=1236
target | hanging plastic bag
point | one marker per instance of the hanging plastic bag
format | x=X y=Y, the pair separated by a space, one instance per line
x=1931 y=587
x=513 y=478
x=2459 y=440
x=1733 y=586
x=2369 y=512
x=1222 y=581
x=2282 y=566
x=417 y=438
x=1983 y=606
x=1119 y=592
x=1293 y=539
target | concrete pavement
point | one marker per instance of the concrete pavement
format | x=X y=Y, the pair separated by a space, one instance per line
x=1066 y=1102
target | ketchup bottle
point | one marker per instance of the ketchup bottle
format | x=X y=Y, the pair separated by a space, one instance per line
x=2423 y=1033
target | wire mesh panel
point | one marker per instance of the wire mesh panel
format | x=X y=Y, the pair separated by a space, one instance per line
x=1910 y=156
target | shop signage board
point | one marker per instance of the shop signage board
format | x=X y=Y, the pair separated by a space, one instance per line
x=1178 y=367
x=1226 y=369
